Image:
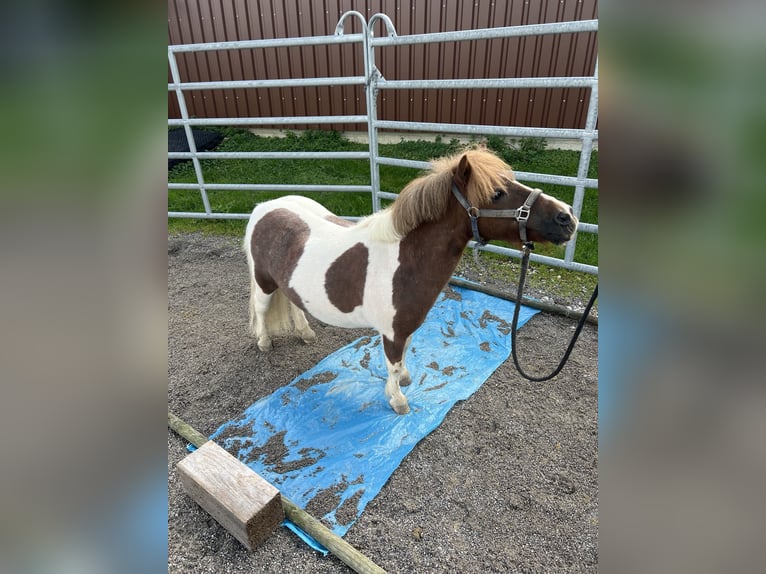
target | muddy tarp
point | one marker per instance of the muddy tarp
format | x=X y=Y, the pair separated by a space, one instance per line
x=329 y=440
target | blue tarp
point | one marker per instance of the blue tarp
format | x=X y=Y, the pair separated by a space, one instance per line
x=329 y=440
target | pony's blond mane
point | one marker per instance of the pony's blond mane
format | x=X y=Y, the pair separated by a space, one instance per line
x=426 y=198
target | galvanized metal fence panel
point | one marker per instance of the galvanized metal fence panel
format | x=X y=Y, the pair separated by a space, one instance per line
x=374 y=84
x=512 y=55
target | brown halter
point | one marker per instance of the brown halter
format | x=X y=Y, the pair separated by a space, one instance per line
x=521 y=214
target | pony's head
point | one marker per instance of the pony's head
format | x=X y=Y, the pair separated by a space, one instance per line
x=548 y=219
x=487 y=184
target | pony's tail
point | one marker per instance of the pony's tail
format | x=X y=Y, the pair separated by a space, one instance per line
x=278 y=320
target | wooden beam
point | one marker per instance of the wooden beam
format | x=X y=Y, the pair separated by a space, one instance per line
x=240 y=500
x=350 y=556
x=310 y=525
x=186 y=430
x=539 y=305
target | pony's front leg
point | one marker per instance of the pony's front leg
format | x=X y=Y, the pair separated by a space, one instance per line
x=397 y=375
x=396 y=399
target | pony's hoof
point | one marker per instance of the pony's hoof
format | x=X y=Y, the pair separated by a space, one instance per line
x=400 y=408
x=264 y=345
x=309 y=338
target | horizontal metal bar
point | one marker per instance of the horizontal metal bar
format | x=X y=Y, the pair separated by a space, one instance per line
x=587 y=228
x=549 y=179
x=268 y=43
x=203 y=215
x=520 y=175
x=485 y=130
x=500 y=83
x=271 y=155
x=396 y=162
x=278 y=83
x=269 y=121
x=489 y=33
x=281 y=187
x=553 y=261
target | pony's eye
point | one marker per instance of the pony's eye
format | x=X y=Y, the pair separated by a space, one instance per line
x=498 y=194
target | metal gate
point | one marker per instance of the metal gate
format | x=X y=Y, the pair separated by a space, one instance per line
x=374 y=82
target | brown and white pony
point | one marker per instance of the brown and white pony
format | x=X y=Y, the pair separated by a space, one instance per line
x=387 y=270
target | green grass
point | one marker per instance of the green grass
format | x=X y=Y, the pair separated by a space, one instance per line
x=525 y=155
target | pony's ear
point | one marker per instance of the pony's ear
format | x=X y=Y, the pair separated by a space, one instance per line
x=463 y=171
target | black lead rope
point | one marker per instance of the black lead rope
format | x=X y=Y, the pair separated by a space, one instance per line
x=521 y=215
x=522 y=279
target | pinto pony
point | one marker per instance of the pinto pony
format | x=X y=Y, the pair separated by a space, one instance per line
x=387 y=270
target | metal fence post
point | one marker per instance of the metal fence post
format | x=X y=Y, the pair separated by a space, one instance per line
x=584 y=165
x=175 y=74
x=370 y=96
x=373 y=76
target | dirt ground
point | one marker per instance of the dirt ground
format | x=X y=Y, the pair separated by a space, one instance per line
x=507 y=483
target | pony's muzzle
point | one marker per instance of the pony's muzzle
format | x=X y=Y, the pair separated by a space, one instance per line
x=565 y=224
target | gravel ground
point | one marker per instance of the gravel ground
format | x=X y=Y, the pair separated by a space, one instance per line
x=507 y=483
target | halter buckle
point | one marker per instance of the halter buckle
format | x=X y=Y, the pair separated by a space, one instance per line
x=523 y=213
x=473 y=212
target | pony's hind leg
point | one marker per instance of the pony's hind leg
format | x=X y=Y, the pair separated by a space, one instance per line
x=302 y=325
x=259 y=306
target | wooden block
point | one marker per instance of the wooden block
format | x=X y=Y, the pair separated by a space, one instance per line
x=240 y=500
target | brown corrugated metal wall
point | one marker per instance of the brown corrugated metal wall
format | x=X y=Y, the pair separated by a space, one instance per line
x=193 y=21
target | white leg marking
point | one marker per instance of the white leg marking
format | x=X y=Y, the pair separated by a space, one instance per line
x=396 y=399
x=259 y=305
